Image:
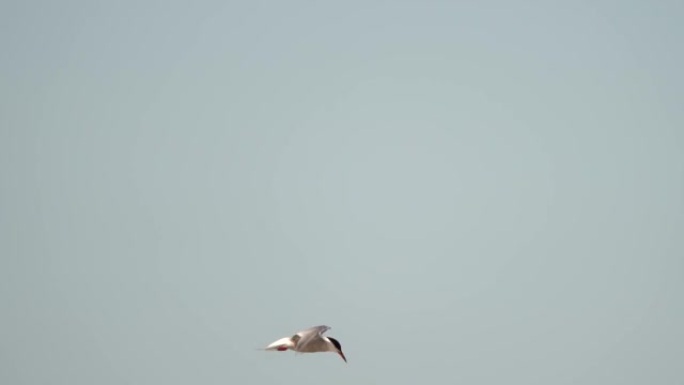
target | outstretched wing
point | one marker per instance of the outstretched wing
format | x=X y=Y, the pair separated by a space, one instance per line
x=304 y=337
x=314 y=330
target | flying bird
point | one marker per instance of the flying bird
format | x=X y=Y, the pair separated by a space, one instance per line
x=310 y=340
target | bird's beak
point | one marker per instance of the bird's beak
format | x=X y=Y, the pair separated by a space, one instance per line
x=342 y=355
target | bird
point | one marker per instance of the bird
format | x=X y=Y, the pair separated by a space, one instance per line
x=310 y=340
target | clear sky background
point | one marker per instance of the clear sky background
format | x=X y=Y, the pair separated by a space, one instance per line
x=468 y=192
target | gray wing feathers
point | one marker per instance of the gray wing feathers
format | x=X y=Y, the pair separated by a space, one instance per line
x=304 y=337
x=314 y=330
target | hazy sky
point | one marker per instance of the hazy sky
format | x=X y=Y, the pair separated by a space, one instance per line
x=468 y=192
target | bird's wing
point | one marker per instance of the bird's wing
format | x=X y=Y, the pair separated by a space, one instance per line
x=314 y=330
x=304 y=337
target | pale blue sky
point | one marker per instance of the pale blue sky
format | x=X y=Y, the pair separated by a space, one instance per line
x=485 y=192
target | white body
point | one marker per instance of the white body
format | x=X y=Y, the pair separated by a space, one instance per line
x=310 y=340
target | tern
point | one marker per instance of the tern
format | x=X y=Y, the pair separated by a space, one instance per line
x=310 y=340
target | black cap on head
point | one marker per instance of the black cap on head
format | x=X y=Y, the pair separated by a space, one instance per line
x=337 y=346
x=336 y=343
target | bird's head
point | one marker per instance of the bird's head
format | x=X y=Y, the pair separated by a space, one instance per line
x=337 y=348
